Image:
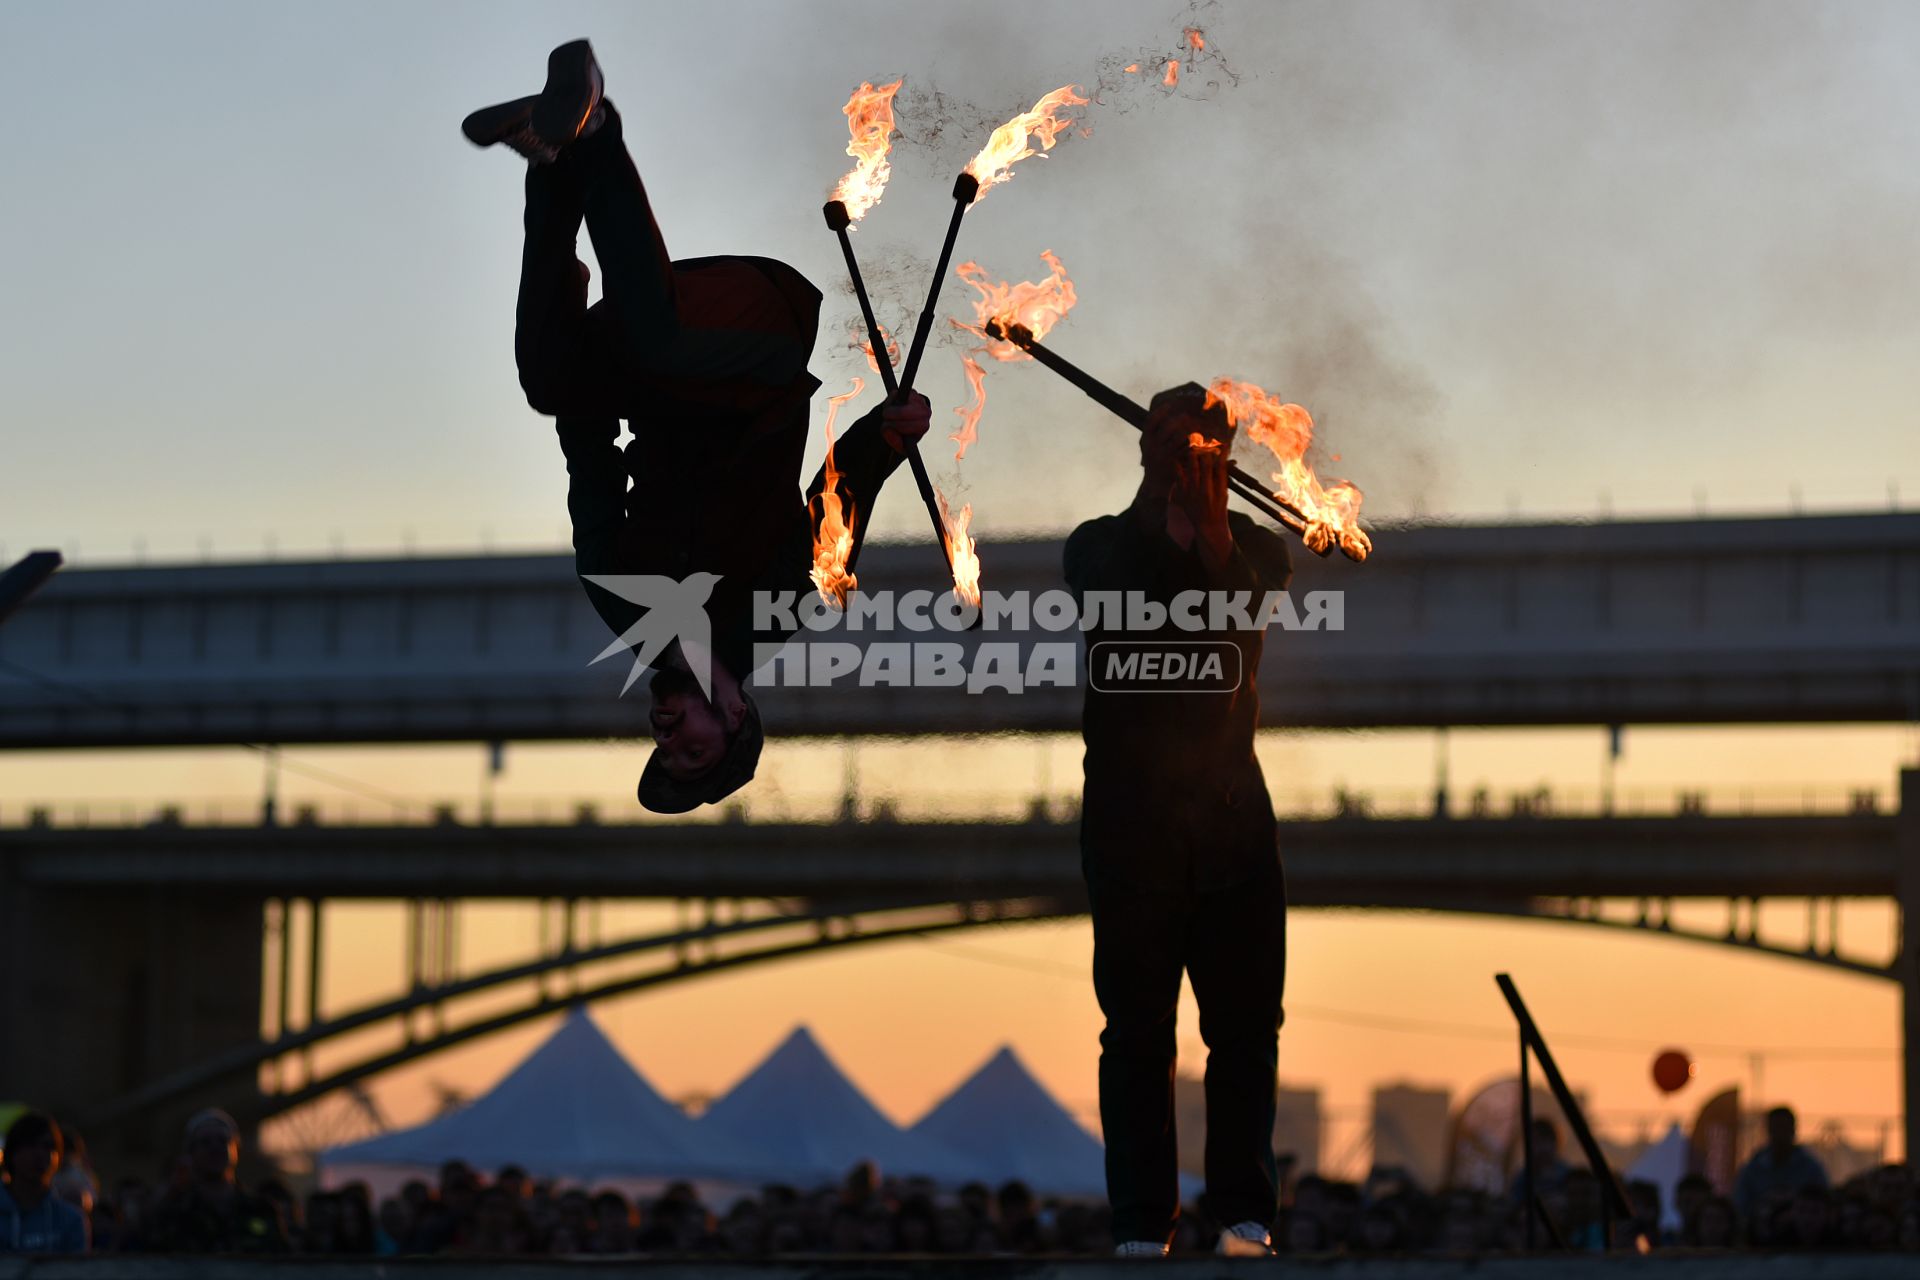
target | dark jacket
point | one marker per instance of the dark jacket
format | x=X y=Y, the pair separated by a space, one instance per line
x=1174 y=796
x=717 y=496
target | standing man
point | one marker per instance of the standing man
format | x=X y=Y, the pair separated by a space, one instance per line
x=1177 y=842
x=707 y=360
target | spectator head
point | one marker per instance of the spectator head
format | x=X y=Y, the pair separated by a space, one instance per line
x=33 y=1151
x=1302 y=1232
x=213 y=1146
x=1713 y=1226
x=1781 y=1130
x=862 y=1184
x=1689 y=1194
x=1811 y=1218
x=913 y=1228
x=417 y=1194
x=976 y=1200
x=1546 y=1141
x=1016 y=1202
x=1380 y=1231
x=512 y=1179
x=396 y=1222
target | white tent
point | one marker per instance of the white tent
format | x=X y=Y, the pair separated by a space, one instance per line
x=573 y=1109
x=798 y=1112
x=1009 y=1124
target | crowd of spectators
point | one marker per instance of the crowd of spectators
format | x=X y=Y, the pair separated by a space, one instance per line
x=1781 y=1201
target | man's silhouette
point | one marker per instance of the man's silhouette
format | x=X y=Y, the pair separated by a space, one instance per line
x=1177 y=846
x=706 y=358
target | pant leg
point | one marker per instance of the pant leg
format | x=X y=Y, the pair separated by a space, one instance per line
x=567 y=363
x=1237 y=960
x=1137 y=941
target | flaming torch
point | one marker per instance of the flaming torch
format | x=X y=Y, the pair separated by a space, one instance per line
x=1011 y=143
x=869 y=115
x=1334 y=523
x=833 y=534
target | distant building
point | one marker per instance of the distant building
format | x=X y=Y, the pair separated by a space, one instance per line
x=1410 y=1125
x=1297 y=1125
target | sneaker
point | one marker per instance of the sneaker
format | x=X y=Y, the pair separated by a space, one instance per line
x=1245 y=1240
x=1140 y=1249
x=510 y=124
x=568 y=109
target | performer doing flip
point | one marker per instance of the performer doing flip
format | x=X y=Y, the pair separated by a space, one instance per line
x=706 y=358
x=1177 y=846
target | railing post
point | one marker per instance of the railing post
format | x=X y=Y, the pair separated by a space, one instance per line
x=1526 y=1140
x=1908 y=965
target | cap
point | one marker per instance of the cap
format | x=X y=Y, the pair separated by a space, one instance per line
x=663 y=793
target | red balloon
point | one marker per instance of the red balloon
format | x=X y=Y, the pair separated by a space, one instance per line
x=1671 y=1070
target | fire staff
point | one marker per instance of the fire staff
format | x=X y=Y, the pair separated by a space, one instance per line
x=1177 y=841
x=706 y=359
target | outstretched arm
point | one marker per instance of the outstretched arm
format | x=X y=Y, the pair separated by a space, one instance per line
x=867 y=454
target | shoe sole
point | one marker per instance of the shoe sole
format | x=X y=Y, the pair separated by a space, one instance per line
x=490 y=125
x=574 y=88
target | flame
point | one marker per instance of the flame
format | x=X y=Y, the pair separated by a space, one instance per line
x=966 y=562
x=1196 y=39
x=869 y=115
x=1173 y=74
x=1037 y=304
x=1132 y=68
x=970 y=413
x=864 y=344
x=1201 y=444
x=1332 y=512
x=833 y=534
x=1009 y=143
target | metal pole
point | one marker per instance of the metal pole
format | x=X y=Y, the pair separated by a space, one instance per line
x=1908 y=884
x=838 y=219
x=1526 y=1139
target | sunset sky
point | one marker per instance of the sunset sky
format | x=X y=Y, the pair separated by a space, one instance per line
x=1546 y=260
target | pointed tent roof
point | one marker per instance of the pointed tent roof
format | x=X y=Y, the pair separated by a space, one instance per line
x=798 y=1112
x=1007 y=1122
x=574 y=1108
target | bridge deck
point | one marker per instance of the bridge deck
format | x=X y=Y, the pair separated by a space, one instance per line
x=1356 y=862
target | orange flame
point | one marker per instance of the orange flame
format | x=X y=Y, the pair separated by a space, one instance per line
x=1132 y=68
x=1195 y=38
x=1201 y=444
x=1037 y=304
x=1332 y=512
x=966 y=562
x=833 y=533
x=970 y=413
x=864 y=344
x=869 y=115
x=1173 y=74
x=1009 y=143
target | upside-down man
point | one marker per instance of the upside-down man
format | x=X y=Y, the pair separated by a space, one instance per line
x=707 y=359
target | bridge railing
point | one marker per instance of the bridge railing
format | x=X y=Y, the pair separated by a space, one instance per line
x=921 y=803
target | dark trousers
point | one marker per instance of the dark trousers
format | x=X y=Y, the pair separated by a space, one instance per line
x=711 y=332
x=1232 y=944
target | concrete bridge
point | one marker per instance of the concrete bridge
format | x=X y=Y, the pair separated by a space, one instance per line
x=1803 y=619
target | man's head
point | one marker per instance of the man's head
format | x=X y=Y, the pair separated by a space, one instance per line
x=213 y=1145
x=1173 y=416
x=1546 y=1141
x=33 y=1150
x=705 y=748
x=1781 y=1129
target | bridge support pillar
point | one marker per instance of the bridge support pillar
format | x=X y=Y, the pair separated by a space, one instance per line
x=106 y=988
x=1909 y=962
